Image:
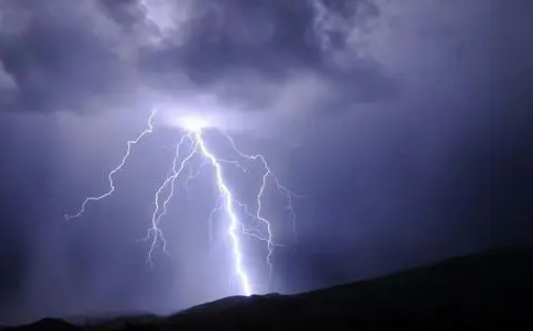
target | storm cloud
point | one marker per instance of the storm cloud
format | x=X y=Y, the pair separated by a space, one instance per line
x=89 y=55
x=86 y=55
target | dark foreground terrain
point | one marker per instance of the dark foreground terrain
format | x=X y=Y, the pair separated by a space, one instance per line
x=492 y=290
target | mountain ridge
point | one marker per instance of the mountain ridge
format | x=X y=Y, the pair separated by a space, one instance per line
x=487 y=289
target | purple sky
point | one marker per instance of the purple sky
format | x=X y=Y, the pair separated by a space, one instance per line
x=406 y=124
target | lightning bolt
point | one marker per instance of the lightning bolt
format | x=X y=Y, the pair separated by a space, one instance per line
x=229 y=206
x=197 y=147
x=111 y=175
x=154 y=231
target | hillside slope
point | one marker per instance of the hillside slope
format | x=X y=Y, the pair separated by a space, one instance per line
x=489 y=290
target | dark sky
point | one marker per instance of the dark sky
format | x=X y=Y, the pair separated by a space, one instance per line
x=407 y=125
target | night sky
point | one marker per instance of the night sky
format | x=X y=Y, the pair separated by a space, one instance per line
x=407 y=127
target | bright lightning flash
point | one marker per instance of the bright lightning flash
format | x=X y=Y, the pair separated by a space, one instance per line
x=194 y=128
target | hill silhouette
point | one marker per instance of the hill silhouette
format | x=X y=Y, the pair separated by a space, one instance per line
x=492 y=290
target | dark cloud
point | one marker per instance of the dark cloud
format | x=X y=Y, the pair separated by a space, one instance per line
x=59 y=58
x=90 y=55
x=66 y=56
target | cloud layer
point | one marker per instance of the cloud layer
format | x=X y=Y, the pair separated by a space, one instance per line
x=287 y=59
x=262 y=55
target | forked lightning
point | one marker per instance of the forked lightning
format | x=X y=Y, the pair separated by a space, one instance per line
x=194 y=139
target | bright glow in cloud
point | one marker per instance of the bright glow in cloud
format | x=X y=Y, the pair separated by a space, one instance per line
x=193 y=123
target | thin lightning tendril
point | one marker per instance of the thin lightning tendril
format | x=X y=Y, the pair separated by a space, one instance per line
x=112 y=173
x=155 y=232
x=226 y=200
